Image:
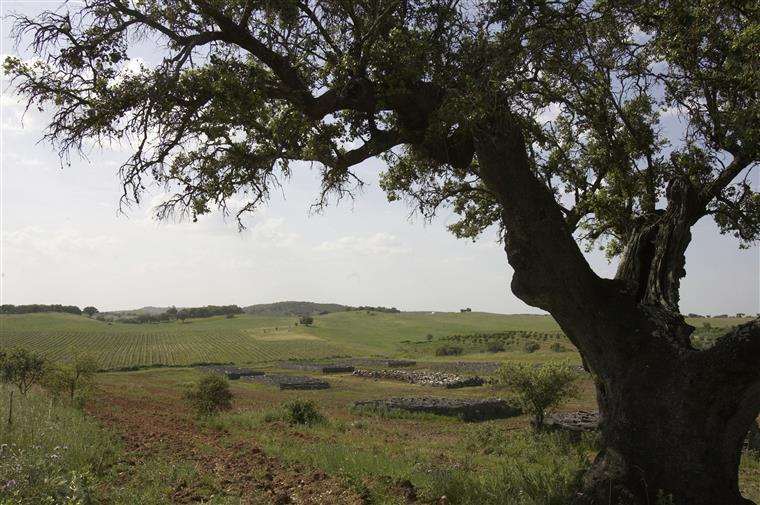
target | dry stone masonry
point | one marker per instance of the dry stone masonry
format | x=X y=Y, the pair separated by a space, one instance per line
x=379 y=362
x=577 y=422
x=467 y=409
x=289 y=381
x=231 y=372
x=316 y=367
x=438 y=379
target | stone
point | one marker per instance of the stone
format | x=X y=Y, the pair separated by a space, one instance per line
x=231 y=372
x=576 y=422
x=438 y=379
x=289 y=381
x=467 y=409
x=316 y=367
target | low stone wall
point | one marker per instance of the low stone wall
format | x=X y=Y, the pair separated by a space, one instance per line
x=438 y=379
x=231 y=372
x=316 y=367
x=382 y=362
x=468 y=409
x=289 y=381
x=578 y=421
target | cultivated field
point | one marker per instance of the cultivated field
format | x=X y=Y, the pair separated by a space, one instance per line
x=138 y=442
x=258 y=339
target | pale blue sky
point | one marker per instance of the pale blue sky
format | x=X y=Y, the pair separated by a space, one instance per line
x=63 y=241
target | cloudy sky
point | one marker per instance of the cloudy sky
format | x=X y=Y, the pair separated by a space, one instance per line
x=64 y=241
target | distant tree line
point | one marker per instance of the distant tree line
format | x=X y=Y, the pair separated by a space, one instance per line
x=38 y=307
x=391 y=310
x=173 y=314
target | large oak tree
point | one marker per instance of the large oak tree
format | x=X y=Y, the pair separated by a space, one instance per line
x=449 y=94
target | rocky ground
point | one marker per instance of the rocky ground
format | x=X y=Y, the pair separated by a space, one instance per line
x=439 y=379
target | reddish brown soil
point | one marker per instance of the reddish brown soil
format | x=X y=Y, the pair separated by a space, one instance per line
x=155 y=425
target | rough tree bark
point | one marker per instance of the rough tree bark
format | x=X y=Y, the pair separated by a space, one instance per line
x=673 y=418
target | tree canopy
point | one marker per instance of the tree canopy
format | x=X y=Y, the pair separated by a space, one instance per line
x=247 y=88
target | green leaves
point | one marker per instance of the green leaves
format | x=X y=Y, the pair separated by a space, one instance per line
x=244 y=89
x=539 y=388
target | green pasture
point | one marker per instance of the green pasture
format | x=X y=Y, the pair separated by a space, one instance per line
x=261 y=339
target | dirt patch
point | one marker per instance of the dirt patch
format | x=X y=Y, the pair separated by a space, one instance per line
x=150 y=426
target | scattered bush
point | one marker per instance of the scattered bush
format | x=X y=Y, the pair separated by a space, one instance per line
x=495 y=346
x=76 y=377
x=306 y=320
x=531 y=347
x=539 y=388
x=449 y=350
x=429 y=337
x=211 y=394
x=22 y=368
x=557 y=347
x=303 y=412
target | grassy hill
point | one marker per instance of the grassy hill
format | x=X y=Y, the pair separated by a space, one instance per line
x=294 y=308
x=262 y=339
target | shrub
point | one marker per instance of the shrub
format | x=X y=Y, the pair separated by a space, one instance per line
x=449 y=350
x=306 y=320
x=22 y=368
x=429 y=337
x=539 y=388
x=76 y=377
x=557 y=347
x=495 y=346
x=531 y=347
x=211 y=394
x=304 y=412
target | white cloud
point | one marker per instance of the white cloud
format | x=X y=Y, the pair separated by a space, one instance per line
x=379 y=244
x=271 y=232
x=34 y=239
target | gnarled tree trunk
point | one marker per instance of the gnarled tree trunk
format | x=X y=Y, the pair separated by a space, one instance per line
x=673 y=418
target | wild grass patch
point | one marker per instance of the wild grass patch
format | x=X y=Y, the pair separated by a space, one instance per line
x=50 y=452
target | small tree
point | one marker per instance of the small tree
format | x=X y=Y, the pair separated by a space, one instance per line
x=172 y=312
x=306 y=320
x=539 y=389
x=76 y=376
x=23 y=369
x=211 y=394
x=495 y=346
x=89 y=311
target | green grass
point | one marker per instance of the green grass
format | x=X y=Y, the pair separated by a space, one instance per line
x=50 y=453
x=261 y=339
x=243 y=339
